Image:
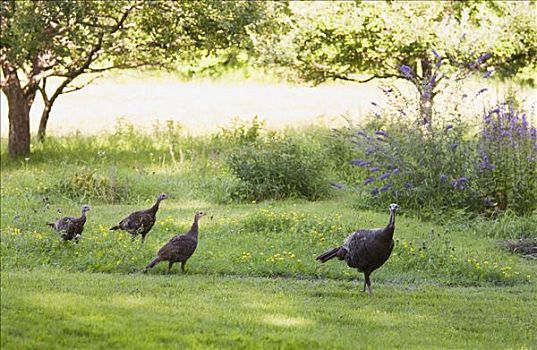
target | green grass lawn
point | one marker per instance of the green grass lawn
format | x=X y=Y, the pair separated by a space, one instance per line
x=254 y=281
x=48 y=308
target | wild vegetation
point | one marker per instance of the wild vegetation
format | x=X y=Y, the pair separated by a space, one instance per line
x=246 y=240
x=462 y=273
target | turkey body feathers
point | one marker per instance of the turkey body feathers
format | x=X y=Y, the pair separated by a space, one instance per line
x=366 y=250
x=140 y=222
x=70 y=227
x=179 y=248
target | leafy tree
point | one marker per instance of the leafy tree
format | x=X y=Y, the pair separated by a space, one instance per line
x=424 y=43
x=64 y=40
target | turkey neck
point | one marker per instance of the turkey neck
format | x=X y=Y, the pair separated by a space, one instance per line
x=83 y=216
x=154 y=208
x=391 y=225
x=194 y=228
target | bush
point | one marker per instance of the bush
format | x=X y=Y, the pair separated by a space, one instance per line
x=486 y=167
x=507 y=164
x=275 y=168
x=86 y=184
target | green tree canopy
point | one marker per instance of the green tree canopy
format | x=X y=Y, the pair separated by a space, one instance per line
x=66 y=39
x=361 y=41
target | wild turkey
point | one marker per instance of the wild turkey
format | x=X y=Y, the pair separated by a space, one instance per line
x=140 y=222
x=180 y=248
x=70 y=228
x=366 y=250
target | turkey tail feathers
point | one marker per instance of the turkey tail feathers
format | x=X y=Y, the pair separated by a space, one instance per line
x=152 y=263
x=332 y=253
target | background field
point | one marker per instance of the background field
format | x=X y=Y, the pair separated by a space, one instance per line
x=202 y=106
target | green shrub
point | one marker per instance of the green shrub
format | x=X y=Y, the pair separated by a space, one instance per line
x=448 y=165
x=275 y=168
x=85 y=184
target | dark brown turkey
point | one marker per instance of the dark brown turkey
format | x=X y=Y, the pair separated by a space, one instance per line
x=366 y=250
x=69 y=227
x=180 y=248
x=140 y=222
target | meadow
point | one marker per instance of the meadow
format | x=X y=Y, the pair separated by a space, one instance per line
x=254 y=281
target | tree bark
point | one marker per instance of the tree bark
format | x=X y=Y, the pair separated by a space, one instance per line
x=19 y=102
x=42 y=131
x=19 y=124
x=426 y=93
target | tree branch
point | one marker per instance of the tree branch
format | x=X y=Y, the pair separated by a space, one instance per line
x=335 y=75
x=76 y=88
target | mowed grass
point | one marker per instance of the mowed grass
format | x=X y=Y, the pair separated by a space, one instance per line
x=48 y=308
x=254 y=281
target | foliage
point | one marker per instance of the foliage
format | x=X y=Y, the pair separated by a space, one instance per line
x=276 y=168
x=274 y=238
x=44 y=40
x=343 y=40
x=485 y=167
x=267 y=239
x=86 y=184
x=508 y=153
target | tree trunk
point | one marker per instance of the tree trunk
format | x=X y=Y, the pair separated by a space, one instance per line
x=41 y=132
x=426 y=93
x=19 y=123
x=19 y=102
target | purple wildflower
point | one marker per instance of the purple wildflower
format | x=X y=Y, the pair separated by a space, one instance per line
x=437 y=55
x=533 y=131
x=488 y=74
x=337 y=185
x=407 y=71
x=485 y=163
x=384 y=176
x=374 y=169
x=524 y=124
x=375 y=191
x=361 y=133
x=449 y=126
x=481 y=91
x=360 y=162
x=454 y=146
x=443 y=178
x=484 y=57
x=480 y=60
x=459 y=183
x=385 y=187
x=408 y=185
x=381 y=133
x=433 y=81
x=369 y=180
x=487 y=202
x=395 y=171
x=376 y=115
